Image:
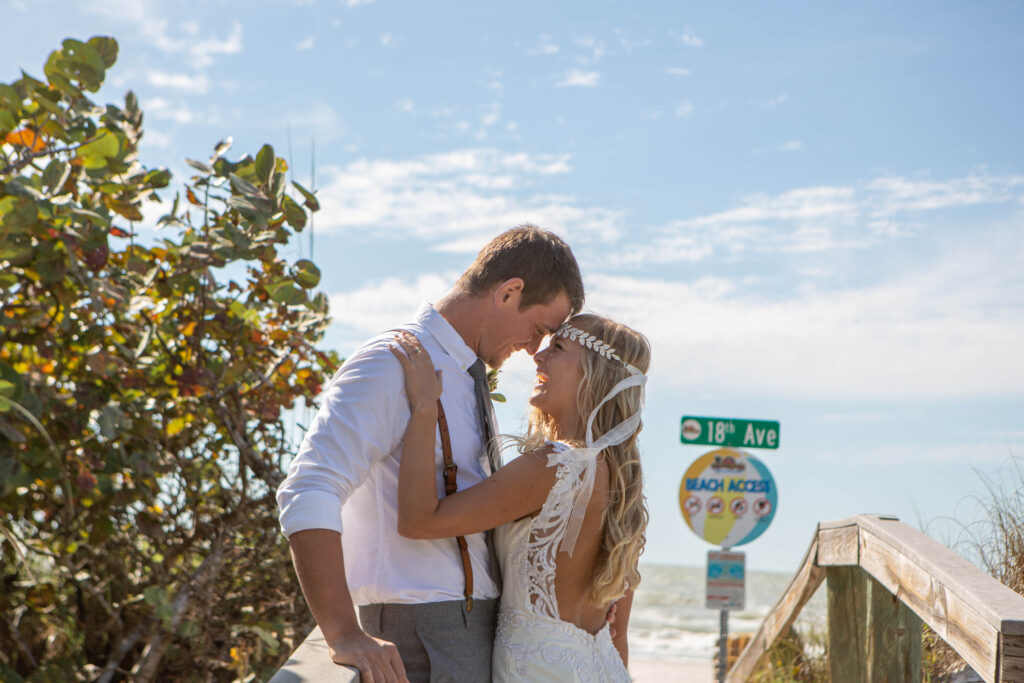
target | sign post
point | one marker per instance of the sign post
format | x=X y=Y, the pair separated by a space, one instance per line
x=728 y=498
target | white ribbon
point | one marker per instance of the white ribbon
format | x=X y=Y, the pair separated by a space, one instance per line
x=589 y=453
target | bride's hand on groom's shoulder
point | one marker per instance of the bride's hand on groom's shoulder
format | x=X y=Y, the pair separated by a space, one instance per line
x=377 y=660
x=422 y=381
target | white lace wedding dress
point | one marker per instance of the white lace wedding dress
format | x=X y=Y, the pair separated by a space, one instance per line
x=531 y=642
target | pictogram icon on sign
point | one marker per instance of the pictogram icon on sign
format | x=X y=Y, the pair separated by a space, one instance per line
x=762 y=507
x=693 y=505
x=715 y=505
x=738 y=506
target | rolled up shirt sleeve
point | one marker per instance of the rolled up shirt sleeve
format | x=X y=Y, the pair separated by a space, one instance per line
x=361 y=420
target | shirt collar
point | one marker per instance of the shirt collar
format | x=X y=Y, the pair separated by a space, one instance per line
x=446 y=335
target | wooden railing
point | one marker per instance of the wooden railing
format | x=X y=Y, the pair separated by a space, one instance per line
x=884 y=579
x=311 y=663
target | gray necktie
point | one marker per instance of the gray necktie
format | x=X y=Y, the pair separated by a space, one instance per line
x=485 y=414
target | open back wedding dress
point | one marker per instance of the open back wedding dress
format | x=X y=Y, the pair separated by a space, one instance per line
x=532 y=643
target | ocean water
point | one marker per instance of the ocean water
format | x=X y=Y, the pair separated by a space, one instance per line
x=669 y=619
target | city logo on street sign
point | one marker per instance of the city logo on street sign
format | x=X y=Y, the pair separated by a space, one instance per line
x=724 y=431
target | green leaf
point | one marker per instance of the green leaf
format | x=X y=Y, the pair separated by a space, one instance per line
x=265 y=163
x=306 y=274
x=7 y=280
x=155 y=595
x=20 y=187
x=106 y=48
x=7 y=122
x=293 y=213
x=160 y=177
x=221 y=149
x=91 y=216
x=104 y=146
x=243 y=186
x=199 y=166
x=285 y=292
x=10 y=377
x=311 y=202
x=56 y=174
x=84 y=53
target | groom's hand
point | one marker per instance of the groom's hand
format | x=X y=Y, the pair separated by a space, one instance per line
x=376 y=659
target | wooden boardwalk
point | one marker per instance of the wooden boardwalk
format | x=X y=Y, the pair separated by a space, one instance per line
x=885 y=578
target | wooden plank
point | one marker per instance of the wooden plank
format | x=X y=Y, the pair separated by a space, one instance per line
x=997 y=604
x=955 y=620
x=839 y=546
x=311 y=662
x=893 y=637
x=805 y=582
x=847 y=624
x=1011 y=659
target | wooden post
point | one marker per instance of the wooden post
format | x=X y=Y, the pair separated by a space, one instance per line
x=873 y=636
x=847 y=617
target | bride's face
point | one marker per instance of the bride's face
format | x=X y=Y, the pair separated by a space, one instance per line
x=559 y=373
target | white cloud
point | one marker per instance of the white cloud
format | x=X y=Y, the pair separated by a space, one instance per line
x=941 y=332
x=387 y=39
x=457 y=199
x=380 y=305
x=690 y=38
x=900 y=194
x=160 y=108
x=677 y=71
x=792 y=146
x=816 y=219
x=491 y=115
x=197 y=84
x=357 y=3
x=306 y=43
x=684 y=110
x=154 y=138
x=771 y=102
x=203 y=52
x=544 y=46
x=318 y=119
x=147 y=18
x=578 y=78
x=404 y=104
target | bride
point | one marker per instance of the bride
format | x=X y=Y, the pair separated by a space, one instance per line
x=570 y=512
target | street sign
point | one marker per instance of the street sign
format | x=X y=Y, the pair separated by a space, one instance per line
x=728 y=497
x=726 y=579
x=724 y=431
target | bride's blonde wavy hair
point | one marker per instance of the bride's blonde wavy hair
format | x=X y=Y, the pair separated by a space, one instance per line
x=625 y=514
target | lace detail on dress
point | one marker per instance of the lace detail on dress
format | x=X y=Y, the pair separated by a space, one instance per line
x=546 y=532
x=591 y=657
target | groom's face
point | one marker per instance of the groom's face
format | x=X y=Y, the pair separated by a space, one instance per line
x=509 y=329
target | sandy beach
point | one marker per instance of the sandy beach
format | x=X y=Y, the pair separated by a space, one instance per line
x=660 y=669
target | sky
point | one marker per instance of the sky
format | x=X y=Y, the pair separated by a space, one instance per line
x=815 y=211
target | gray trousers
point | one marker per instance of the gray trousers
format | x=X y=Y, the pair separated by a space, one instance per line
x=438 y=641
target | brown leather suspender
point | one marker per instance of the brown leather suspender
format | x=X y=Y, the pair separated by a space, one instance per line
x=449 y=472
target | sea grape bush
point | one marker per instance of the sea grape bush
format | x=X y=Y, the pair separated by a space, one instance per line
x=142 y=393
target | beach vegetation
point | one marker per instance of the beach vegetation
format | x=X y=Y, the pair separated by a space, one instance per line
x=152 y=343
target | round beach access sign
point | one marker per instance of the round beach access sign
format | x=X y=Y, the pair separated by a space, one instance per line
x=728 y=497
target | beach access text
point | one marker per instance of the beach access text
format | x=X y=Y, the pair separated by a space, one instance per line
x=724 y=431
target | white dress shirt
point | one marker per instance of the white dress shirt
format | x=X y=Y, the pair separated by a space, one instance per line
x=345 y=475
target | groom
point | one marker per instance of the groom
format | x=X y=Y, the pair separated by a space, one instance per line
x=338 y=505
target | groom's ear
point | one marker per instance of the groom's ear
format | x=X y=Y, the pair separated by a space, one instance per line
x=509 y=292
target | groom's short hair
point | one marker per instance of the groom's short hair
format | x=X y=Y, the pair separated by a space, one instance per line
x=540 y=257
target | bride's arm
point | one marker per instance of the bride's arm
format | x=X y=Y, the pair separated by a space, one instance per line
x=516 y=490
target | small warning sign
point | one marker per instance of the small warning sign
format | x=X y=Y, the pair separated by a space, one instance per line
x=726 y=584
